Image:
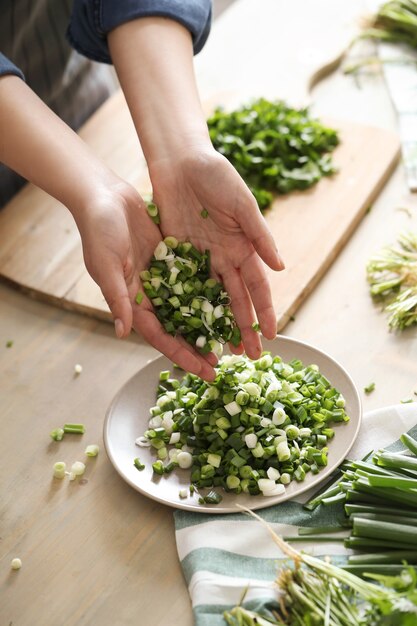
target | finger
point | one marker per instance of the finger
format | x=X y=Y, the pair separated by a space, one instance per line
x=115 y=292
x=210 y=357
x=255 y=228
x=149 y=327
x=254 y=275
x=236 y=349
x=243 y=312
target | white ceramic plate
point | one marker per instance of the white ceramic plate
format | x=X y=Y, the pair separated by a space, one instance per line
x=128 y=415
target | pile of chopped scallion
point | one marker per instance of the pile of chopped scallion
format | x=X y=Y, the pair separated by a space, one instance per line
x=186 y=300
x=260 y=425
x=392 y=275
x=275 y=148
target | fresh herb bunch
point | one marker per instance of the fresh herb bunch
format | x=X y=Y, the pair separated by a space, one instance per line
x=275 y=148
x=318 y=593
x=187 y=301
x=257 y=427
x=379 y=497
x=392 y=275
x=395 y=21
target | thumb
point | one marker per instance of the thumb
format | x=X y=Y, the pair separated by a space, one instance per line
x=114 y=290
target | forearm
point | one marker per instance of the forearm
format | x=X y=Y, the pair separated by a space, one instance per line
x=154 y=61
x=38 y=145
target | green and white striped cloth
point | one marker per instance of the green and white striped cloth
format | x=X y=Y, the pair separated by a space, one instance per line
x=222 y=555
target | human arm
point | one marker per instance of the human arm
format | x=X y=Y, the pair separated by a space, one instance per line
x=117 y=235
x=153 y=58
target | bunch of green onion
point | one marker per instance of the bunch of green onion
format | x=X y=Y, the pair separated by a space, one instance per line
x=275 y=148
x=392 y=275
x=186 y=300
x=379 y=496
x=318 y=593
x=257 y=427
x=395 y=21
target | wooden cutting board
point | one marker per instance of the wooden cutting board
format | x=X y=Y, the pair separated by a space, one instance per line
x=40 y=250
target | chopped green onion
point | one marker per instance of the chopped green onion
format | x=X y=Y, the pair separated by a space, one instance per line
x=275 y=148
x=158 y=467
x=187 y=301
x=213 y=497
x=78 y=468
x=9 y=343
x=139 y=297
x=138 y=464
x=92 y=450
x=16 y=563
x=57 y=434
x=59 y=469
x=78 y=429
x=235 y=434
x=369 y=388
x=204 y=214
x=153 y=212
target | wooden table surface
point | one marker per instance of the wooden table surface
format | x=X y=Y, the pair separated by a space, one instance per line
x=98 y=552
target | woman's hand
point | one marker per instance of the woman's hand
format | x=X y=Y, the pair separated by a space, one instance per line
x=118 y=240
x=187 y=174
x=234 y=231
x=117 y=234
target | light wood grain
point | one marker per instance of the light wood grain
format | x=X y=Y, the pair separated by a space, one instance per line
x=100 y=553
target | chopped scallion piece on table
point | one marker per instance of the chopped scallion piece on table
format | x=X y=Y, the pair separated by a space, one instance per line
x=77 y=429
x=369 y=388
x=92 y=450
x=59 y=469
x=57 y=434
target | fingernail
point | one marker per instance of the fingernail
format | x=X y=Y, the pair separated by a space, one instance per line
x=119 y=328
x=280 y=261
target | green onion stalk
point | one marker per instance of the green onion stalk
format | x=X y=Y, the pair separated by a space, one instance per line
x=392 y=275
x=395 y=21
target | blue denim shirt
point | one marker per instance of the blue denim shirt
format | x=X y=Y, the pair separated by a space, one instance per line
x=92 y=20
x=34 y=45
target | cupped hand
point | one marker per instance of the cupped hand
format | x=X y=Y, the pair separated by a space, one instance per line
x=234 y=231
x=118 y=240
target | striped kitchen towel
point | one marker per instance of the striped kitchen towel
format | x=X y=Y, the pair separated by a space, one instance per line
x=222 y=555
